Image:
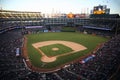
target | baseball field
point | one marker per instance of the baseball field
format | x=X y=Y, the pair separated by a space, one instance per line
x=49 y=51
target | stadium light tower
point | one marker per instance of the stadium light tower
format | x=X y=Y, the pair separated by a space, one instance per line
x=1 y=5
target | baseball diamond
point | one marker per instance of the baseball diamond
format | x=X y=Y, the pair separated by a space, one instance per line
x=74 y=46
x=41 y=56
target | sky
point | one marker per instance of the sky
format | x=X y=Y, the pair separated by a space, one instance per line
x=59 y=6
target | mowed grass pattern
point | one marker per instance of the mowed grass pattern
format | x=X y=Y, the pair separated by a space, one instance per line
x=86 y=40
x=49 y=52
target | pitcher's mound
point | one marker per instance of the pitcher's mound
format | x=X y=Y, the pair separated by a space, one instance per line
x=55 y=49
x=48 y=59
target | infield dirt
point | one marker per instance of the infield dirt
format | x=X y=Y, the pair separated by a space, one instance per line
x=74 y=46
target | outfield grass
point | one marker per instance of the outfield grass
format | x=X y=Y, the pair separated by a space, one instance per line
x=88 y=41
x=49 y=52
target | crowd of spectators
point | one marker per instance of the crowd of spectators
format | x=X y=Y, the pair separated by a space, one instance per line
x=105 y=63
x=104 y=33
x=103 y=66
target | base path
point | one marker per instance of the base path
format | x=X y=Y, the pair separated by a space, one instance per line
x=74 y=46
x=48 y=59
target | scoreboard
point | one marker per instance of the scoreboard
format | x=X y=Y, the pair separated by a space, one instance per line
x=101 y=9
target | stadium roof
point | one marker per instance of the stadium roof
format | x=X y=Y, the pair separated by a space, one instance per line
x=104 y=16
x=18 y=14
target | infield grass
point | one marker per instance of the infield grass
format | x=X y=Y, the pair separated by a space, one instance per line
x=49 y=52
x=86 y=40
